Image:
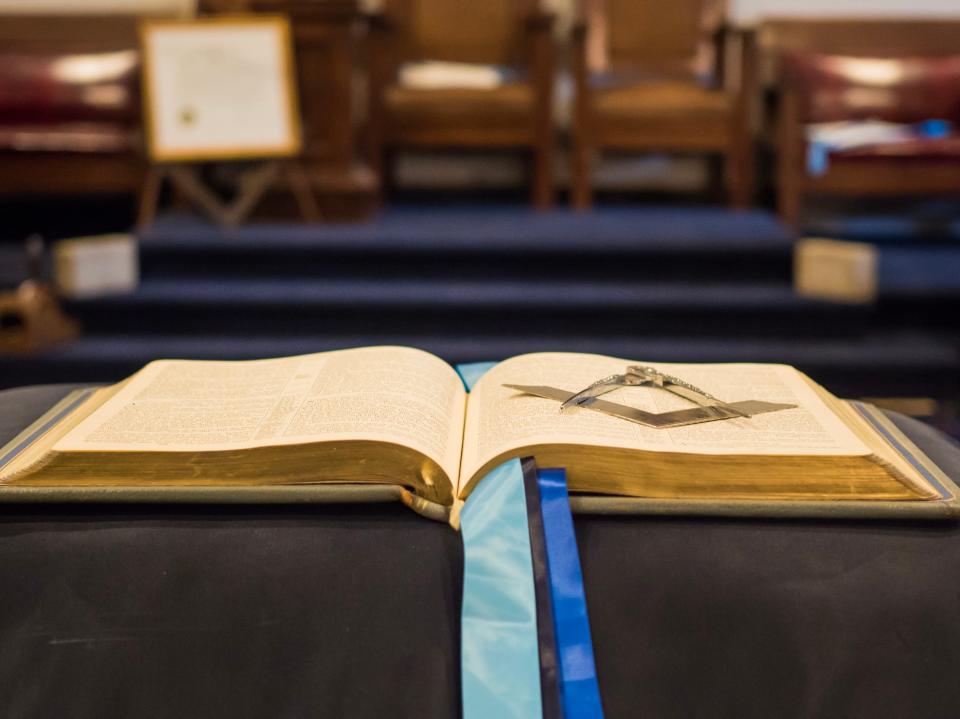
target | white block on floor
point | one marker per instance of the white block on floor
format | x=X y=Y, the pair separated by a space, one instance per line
x=835 y=270
x=86 y=267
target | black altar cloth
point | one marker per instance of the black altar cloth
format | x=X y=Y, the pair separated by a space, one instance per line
x=188 y=611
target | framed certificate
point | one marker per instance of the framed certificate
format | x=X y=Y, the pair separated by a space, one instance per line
x=219 y=89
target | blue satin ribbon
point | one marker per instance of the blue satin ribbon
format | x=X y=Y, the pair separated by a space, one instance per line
x=500 y=656
x=471 y=372
x=500 y=651
x=579 y=688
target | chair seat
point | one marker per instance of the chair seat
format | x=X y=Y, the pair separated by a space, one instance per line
x=510 y=105
x=946 y=148
x=78 y=137
x=657 y=100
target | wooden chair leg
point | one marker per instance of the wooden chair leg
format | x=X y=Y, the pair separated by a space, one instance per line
x=388 y=172
x=542 y=185
x=791 y=168
x=581 y=192
x=741 y=180
x=789 y=188
x=717 y=168
x=740 y=157
x=149 y=197
x=789 y=203
x=376 y=157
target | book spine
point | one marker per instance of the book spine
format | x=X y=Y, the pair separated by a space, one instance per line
x=426 y=508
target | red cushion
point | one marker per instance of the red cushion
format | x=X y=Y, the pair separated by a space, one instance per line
x=45 y=89
x=907 y=89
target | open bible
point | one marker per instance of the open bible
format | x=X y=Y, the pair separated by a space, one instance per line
x=397 y=416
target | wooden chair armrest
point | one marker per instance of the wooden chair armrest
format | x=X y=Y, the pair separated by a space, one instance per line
x=791 y=138
x=378 y=21
x=540 y=20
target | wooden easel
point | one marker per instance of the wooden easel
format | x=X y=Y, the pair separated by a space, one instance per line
x=178 y=154
x=254 y=184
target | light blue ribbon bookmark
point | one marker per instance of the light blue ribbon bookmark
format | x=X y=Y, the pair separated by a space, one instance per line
x=500 y=651
x=472 y=372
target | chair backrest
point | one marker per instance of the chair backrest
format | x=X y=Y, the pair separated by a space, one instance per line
x=904 y=89
x=673 y=38
x=475 y=31
x=863 y=38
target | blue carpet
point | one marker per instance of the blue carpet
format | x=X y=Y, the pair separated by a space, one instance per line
x=463 y=306
x=493 y=229
x=920 y=272
x=883 y=228
x=886 y=220
x=466 y=293
x=476 y=283
x=907 y=350
x=459 y=243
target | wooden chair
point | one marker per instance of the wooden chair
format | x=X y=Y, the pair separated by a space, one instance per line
x=834 y=70
x=649 y=77
x=509 y=33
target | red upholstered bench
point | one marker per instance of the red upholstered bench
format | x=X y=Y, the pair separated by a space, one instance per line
x=820 y=88
x=69 y=105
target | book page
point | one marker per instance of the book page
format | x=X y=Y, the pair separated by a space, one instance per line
x=500 y=419
x=389 y=394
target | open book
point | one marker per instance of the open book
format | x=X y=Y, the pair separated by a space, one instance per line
x=400 y=416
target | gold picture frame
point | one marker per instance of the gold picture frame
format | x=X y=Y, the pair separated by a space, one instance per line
x=219 y=88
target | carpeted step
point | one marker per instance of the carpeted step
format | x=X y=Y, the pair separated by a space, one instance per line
x=901 y=275
x=473 y=283
x=878 y=365
x=482 y=242
x=485 y=229
x=275 y=307
x=917 y=273
x=905 y=226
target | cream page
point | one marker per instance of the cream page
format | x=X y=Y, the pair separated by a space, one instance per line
x=389 y=394
x=500 y=419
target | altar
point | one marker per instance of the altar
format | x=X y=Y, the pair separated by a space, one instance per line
x=290 y=611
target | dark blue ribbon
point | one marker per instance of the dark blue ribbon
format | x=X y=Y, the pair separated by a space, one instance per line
x=579 y=688
x=550 y=697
